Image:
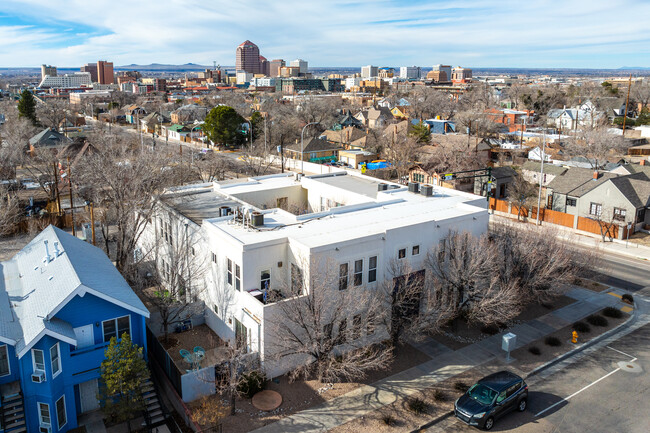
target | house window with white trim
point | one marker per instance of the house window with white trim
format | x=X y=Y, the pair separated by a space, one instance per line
x=265 y=279
x=38 y=360
x=401 y=253
x=619 y=214
x=571 y=202
x=237 y=278
x=416 y=250
x=116 y=327
x=358 y=272
x=229 y=271
x=4 y=361
x=61 y=414
x=343 y=276
x=595 y=209
x=44 y=414
x=372 y=269
x=55 y=360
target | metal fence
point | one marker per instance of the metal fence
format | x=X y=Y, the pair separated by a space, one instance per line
x=156 y=351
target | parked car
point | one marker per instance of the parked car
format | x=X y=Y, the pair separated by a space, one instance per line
x=491 y=398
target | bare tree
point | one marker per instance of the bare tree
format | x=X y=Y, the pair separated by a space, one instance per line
x=180 y=268
x=52 y=112
x=401 y=153
x=596 y=144
x=9 y=211
x=212 y=167
x=126 y=182
x=640 y=93
x=426 y=102
x=521 y=194
x=464 y=266
x=328 y=327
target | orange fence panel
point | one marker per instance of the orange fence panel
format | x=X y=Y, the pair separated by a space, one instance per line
x=589 y=225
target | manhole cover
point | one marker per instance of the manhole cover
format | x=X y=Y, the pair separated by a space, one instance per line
x=630 y=367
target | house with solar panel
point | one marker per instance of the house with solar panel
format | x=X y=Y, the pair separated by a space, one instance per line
x=61 y=301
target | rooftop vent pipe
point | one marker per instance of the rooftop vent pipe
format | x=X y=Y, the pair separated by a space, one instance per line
x=47 y=252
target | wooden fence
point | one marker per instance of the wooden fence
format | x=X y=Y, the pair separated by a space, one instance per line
x=559 y=218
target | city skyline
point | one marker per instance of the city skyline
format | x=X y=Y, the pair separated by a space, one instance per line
x=582 y=34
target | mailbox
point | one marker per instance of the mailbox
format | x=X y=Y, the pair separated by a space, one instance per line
x=509 y=341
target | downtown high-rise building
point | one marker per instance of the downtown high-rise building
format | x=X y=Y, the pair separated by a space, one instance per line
x=48 y=70
x=369 y=71
x=248 y=58
x=100 y=72
x=275 y=66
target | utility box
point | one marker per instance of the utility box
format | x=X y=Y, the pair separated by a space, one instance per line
x=508 y=342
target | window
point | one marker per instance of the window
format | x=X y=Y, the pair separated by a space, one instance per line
x=401 y=253
x=4 y=361
x=265 y=280
x=501 y=397
x=44 y=413
x=61 y=415
x=229 y=274
x=416 y=250
x=619 y=214
x=640 y=215
x=55 y=360
x=441 y=250
x=372 y=269
x=595 y=209
x=571 y=202
x=343 y=276
x=296 y=279
x=237 y=278
x=116 y=327
x=216 y=309
x=356 y=327
x=38 y=359
x=213 y=256
x=358 y=272
x=513 y=389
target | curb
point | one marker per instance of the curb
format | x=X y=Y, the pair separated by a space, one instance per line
x=433 y=422
x=586 y=345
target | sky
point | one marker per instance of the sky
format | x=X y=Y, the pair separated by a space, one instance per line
x=472 y=33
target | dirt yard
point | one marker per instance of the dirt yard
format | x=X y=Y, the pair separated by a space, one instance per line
x=301 y=395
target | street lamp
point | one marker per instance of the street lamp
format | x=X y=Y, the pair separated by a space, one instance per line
x=302 y=147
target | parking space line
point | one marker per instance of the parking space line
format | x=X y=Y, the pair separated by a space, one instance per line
x=577 y=392
x=622 y=353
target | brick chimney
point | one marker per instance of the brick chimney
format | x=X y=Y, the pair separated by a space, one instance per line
x=595 y=174
x=643 y=162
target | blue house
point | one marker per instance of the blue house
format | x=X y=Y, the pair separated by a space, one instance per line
x=61 y=300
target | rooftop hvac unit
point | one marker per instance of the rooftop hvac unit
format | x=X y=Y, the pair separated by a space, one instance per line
x=257 y=219
x=38 y=376
x=426 y=190
x=224 y=211
x=382 y=187
x=414 y=187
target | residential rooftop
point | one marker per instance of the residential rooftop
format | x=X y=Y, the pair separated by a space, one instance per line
x=317 y=210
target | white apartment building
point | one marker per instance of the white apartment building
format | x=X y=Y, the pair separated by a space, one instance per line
x=351 y=82
x=355 y=224
x=263 y=82
x=243 y=77
x=410 y=72
x=78 y=79
x=300 y=63
x=369 y=71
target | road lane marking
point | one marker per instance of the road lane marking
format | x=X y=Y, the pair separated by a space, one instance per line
x=627 y=309
x=577 y=392
x=622 y=353
x=615 y=294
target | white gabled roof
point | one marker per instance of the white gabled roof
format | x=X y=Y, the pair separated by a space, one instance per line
x=34 y=289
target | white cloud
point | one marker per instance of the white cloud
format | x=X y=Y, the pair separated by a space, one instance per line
x=330 y=32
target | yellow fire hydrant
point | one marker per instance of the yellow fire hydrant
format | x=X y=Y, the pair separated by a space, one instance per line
x=574 y=338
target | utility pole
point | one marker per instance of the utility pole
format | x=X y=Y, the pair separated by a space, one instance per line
x=92 y=220
x=627 y=102
x=74 y=231
x=541 y=179
x=56 y=189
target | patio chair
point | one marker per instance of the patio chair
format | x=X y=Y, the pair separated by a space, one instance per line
x=198 y=350
x=184 y=353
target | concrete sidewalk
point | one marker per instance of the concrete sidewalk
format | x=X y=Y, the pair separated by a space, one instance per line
x=445 y=364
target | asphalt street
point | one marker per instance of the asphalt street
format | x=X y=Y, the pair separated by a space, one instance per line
x=598 y=393
x=623 y=272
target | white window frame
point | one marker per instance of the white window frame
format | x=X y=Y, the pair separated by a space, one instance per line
x=8 y=363
x=355 y=273
x=595 y=209
x=405 y=249
x=65 y=412
x=117 y=332
x=237 y=277
x=413 y=249
x=343 y=277
x=40 y=414
x=370 y=268
x=267 y=270
x=34 y=360
x=229 y=273
x=58 y=360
